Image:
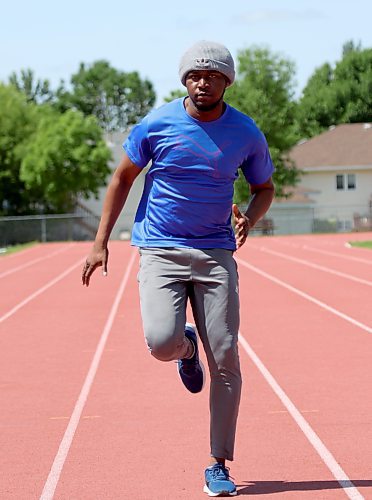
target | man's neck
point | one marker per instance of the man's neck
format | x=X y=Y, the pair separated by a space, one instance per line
x=202 y=115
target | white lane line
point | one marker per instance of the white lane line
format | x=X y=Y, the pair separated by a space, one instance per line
x=35 y=261
x=64 y=447
x=40 y=290
x=305 y=296
x=326 y=456
x=24 y=251
x=340 y=255
x=317 y=266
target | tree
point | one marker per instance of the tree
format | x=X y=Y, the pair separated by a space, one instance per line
x=175 y=94
x=37 y=91
x=317 y=107
x=264 y=89
x=351 y=46
x=339 y=94
x=17 y=123
x=116 y=98
x=67 y=157
x=47 y=159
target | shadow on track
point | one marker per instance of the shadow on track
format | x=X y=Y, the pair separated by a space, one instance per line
x=266 y=487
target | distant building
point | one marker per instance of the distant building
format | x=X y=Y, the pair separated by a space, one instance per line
x=335 y=190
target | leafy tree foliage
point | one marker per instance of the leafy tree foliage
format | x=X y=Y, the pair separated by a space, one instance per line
x=351 y=46
x=67 y=157
x=17 y=123
x=116 y=98
x=46 y=158
x=264 y=90
x=339 y=94
x=175 y=94
x=37 y=91
x=51 y=145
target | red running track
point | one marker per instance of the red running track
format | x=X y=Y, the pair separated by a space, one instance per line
x=87 y=414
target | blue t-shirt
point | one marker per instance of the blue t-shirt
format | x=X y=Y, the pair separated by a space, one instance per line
x=188 y=191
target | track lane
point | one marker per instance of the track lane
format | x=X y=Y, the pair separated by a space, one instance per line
x=108 y=459
x=45 y=352
x=156 y=433
x=350 y=297
x=35 y=251
x=323 y=363
x=64 y=448
x=336 y=246
x=29 y=280
x=338 y=261
x=31 y=262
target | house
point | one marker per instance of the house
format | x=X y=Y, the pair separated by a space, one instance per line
x=336 y=185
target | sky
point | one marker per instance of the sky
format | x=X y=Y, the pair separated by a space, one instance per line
x=150 y=36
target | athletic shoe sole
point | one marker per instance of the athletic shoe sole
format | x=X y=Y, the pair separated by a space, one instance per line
x=220 y=494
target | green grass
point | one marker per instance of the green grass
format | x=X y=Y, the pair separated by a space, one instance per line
x=362 y=244
x=16 y=248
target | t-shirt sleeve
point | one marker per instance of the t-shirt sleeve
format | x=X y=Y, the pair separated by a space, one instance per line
x=258 y=167
x=137 y=145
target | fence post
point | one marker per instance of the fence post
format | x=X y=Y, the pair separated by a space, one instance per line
x=43 y=230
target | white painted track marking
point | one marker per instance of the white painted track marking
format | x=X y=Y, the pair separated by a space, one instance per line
x=40 y=290
x=35 y=261
x=24 y=251
x=64 y=447
x=326 y=456
x=305 y=296
x=317 y=266
x=340 y=255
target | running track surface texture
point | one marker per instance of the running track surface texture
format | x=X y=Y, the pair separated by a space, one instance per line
x=87 y=414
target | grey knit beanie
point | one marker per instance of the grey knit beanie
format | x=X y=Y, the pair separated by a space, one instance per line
x=206 y=55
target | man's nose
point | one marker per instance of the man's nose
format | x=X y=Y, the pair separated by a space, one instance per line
x=203 y=82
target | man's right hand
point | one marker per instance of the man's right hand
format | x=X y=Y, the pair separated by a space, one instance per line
x=96 y=258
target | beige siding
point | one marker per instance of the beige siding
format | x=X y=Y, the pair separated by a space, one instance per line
x=346 y=201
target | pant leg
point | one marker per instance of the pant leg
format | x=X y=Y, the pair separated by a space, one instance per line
x=163 y=283
x=215 y=303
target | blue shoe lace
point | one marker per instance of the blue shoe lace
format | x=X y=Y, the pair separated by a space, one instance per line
x=220 y=473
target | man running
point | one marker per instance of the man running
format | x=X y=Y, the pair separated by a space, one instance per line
x=183 y=229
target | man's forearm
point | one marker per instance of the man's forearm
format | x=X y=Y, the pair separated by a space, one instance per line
x=116 y=196
x=115 y=199
x=259 y=204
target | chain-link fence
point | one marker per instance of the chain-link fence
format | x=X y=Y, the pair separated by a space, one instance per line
x=321 y=218
x=64 y=227
x=281 y=219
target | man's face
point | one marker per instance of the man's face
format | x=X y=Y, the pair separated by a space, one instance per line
x=206 y=88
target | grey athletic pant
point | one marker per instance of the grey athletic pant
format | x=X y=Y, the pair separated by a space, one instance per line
x=168 y=277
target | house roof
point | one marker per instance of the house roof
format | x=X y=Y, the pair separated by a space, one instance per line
x=298 y=195
x=346 y=145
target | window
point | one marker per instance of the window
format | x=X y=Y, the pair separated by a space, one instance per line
x=351 y=181
x=340 y=182
x=345 y=181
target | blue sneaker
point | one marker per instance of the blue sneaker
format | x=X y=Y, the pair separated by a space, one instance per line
x=192 y=370
x=218 y=482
